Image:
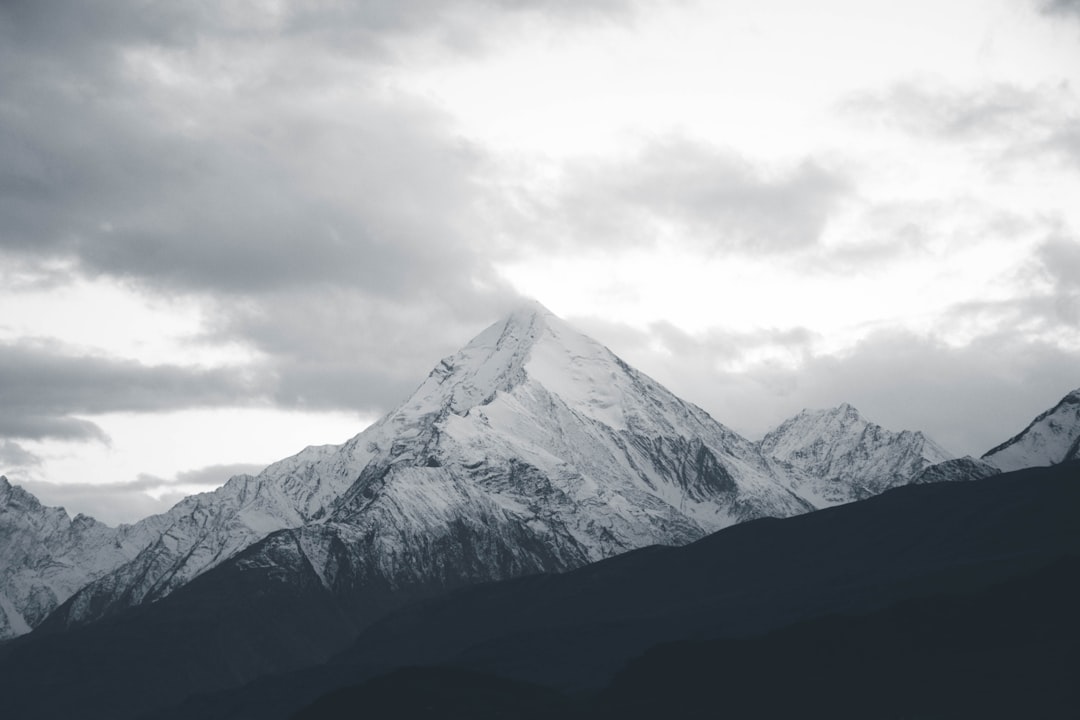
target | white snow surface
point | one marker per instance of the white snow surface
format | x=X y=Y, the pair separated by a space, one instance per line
x=1053 y=437
x=848 y=457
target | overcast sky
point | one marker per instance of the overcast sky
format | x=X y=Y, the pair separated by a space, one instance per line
x=230 y=230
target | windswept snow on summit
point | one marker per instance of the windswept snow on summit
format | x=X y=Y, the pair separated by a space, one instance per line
x=1053 y=437
x=848 y=457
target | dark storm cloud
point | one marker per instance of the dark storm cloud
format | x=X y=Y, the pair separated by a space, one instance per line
x=41 y=390
x=720 y=200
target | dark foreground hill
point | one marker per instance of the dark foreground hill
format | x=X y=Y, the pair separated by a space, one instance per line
x=952 y=583
x=1007 y=651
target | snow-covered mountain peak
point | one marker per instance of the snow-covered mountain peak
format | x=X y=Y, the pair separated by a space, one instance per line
x=492 y=361
x=530 y=344
x=855 y=457
x=1053 y=437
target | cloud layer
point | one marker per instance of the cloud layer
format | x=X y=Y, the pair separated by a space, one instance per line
x=296 y=171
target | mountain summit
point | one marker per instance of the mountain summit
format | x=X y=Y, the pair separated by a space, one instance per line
x=534 y=448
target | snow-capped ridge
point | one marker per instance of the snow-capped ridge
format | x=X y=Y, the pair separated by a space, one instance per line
x=533 y=448
x=848 y=457
x=1051 y=438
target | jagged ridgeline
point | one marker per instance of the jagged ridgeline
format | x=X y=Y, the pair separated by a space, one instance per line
x=532 y=449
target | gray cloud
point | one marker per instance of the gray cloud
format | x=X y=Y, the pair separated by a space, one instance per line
x=1064 y=142
x=967 y=398
x=1060 y=7
x=295 y=219
x=37 y=427
x=1059 y=257
x=345 y=349
x=119 y=502
x=389 y=208
x=1005 y=123
x=14 y=455
x=236 y=175
x=41 y=389
x=945 y=111
x=719 y=200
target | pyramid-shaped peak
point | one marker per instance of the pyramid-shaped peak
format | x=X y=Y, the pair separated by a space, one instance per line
x=530 y=346
x=529 y=340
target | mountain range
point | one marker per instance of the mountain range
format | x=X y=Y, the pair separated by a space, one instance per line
x=547 y=446
x=532 y=450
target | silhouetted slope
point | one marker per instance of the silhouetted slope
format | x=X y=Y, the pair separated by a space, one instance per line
x=1007 y=651
x=577 y=629
x=443 y=693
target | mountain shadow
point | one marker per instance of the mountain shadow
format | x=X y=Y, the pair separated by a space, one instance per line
x=573 y=632
x=1007 y=651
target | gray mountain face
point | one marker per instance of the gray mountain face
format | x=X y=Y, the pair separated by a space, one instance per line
x=847 y=457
